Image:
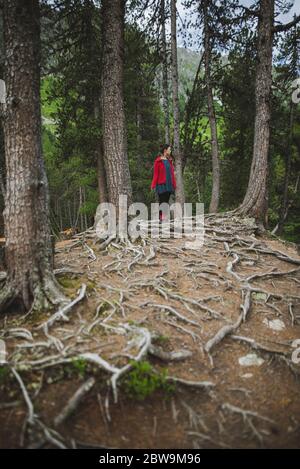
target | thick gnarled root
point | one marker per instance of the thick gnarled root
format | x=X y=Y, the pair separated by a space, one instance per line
x=43 y=295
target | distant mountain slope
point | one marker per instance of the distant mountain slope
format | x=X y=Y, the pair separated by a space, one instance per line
x=188 y=62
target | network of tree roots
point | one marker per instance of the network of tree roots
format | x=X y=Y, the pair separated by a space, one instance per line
x=149 y=352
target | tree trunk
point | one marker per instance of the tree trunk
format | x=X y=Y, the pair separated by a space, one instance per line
x=176 y=143
x=113 y=115
x=215 y=194
x=28 y=253
x=255 y=202
x=166 y=107
x=285 y=205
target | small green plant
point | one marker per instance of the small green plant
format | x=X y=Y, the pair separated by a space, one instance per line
x=161 y=339
x=79 y=366
x=142 y=381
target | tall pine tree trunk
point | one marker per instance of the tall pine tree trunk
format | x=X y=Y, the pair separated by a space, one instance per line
x=176 y=144
x=255 y=202
x=28 y=254
x=215 y=194
x=113 y=115
x=286 y=203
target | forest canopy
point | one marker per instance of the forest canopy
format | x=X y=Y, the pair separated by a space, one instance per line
x=217 y=70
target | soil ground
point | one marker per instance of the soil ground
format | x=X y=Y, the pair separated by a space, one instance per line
x=128 y=285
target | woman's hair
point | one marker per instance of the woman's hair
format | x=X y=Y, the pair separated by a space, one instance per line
x=164 y=147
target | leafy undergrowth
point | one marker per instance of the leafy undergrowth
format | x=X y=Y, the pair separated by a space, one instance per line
x=141 y=381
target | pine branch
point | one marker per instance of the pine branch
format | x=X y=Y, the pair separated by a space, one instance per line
x=250 y=12
x=285 y=27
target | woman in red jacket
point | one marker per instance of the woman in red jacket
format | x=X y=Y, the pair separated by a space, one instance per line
x=164 y=181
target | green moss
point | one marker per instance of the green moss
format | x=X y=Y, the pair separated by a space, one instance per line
x=67 y=282
x=78 y=366
x=143 y=380
x=90 y=285
x=161 y=339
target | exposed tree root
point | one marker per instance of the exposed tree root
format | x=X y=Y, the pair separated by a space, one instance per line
x=151 y=288
x=32 y=424
x=8 y=294
x=228 y=329
x=248 y=416
x=206 y=385
x=74 y=402
x=62 y=312
x=169 y=356
x=44 y=294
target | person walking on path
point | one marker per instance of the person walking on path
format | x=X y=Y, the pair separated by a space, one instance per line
x=163 y=181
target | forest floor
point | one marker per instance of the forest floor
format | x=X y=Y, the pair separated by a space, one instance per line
x=169 y=347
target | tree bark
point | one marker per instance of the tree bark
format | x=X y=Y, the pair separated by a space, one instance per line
x=113 y=115
x=286 y=203
x=255 y=202
x=28 y=252
x=176 y=132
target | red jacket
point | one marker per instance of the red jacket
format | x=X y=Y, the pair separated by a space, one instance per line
x=159 y=173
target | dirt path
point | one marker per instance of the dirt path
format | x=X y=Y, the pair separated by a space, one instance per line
x=146 y=301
